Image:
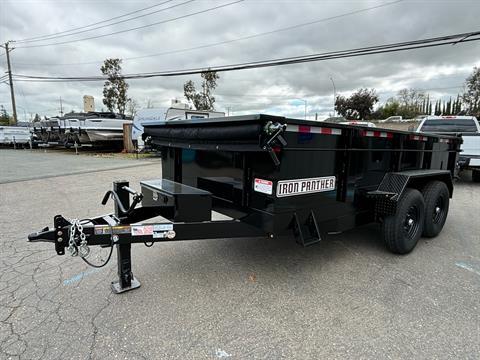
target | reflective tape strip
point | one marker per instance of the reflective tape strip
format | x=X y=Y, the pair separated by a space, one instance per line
x=418 y=138
x=305 y=129
x=380 y=134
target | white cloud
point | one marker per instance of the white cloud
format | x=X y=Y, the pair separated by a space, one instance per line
x=439 y=69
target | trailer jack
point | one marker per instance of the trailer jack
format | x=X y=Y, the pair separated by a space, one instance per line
x=124 y=227
x=126 y=280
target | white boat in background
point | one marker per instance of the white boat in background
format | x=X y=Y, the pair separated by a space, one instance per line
x=90 y=128
x=177 y=111
x=70 y=130
x=104 y=127
x=10 y=135
x=47 y=130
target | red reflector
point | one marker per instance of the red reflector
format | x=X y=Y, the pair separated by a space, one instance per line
x=376 y=133
x=303 y=128
x=418 y=138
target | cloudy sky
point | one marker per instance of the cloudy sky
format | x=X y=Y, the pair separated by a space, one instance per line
x=331 y=25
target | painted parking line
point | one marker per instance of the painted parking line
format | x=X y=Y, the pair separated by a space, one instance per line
x=469 y=267
x=80 y=276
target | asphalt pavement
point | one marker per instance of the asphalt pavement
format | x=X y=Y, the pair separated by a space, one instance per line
x=24 y=164
x=346 y=297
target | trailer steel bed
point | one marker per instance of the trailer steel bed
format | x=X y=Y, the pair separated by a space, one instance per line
x=273 y=176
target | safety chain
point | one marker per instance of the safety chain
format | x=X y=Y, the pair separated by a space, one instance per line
x=76 y=234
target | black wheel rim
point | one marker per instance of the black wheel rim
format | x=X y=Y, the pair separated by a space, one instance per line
x=438 y=210
x=411 y=223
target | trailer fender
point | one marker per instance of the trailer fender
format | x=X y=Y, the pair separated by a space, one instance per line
x=394 y=184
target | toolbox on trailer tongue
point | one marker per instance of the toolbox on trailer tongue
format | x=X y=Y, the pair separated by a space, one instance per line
x=187 y=203
x=273 y=176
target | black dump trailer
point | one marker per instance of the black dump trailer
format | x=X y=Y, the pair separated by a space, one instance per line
x=272 y=176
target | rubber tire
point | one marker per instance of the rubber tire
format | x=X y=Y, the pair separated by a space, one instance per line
x=476 y=175
x=431 y=192
x=394 y=235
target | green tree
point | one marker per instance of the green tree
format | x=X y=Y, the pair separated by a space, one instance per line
x=390 y=108
x=202 y=100
x=448 y=108
x=457 y=108
x=115 y=88
x=358 y=106
x=428 y=107
x=471 y=96
x=408 y=103
x=411 y=101
x=438 y=107
x=132 y=107
x=4 y=117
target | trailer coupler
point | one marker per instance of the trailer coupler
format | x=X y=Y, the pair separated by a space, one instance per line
x=76 y=236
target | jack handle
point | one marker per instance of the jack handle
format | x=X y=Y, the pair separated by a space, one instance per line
x=274 y=131
x=137 y=197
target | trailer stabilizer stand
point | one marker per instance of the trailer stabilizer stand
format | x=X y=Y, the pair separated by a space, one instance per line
x=126 y=280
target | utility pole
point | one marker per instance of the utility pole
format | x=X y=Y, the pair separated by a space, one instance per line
x=9 y=71
x=334 y=96
x=61 y=107
x=228 y=110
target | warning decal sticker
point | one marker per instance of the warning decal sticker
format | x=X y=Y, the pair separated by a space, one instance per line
x=305 y=186
x=107 y=229
x=139 y=230
x=263 y=186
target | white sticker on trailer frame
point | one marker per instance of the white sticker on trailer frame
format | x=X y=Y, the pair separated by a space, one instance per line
x=263 y=186
x=305 y=186
x=141 y=230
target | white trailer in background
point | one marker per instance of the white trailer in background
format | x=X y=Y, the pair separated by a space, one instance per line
x=178 y=111
x=19 y=135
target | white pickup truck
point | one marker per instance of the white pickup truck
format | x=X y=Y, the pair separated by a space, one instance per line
x=469 y=128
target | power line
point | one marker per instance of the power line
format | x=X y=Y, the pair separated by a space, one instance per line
x=225 y=42
x=118 y=22
x=89 y=25
x=138 y=27
x=371 y=50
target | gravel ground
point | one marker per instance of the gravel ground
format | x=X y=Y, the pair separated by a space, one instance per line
x=346 y=297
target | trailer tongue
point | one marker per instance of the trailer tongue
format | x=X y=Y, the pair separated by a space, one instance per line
x=272 y=176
